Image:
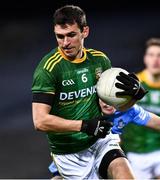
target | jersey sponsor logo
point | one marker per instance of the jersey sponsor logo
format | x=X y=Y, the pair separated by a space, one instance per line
x=83 y=70
x=68 y=82
x=77 y=94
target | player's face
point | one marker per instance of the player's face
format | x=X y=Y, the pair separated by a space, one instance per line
x=70 y=39
x=105 y=108
x=152 y=59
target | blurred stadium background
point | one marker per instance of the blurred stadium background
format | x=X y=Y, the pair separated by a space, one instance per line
x=26 y=34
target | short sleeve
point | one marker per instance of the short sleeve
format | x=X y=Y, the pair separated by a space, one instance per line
x=106 y=63
x=43 y=81
x=140 y=116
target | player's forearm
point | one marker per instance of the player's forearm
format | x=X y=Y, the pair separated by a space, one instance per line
x=154 y=122
x=57 y=124
x=46 y=122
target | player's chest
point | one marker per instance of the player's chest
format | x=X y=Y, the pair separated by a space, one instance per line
x=76 y=76
x=152 y=97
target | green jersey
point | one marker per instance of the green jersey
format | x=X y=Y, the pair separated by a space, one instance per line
x=141 y=139
x=74 y=86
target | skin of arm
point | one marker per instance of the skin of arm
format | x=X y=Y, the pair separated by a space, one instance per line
x=44 y=121
x=154 y=122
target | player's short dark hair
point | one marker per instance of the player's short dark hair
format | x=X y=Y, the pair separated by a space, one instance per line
x=152 y=42
x=70 y=14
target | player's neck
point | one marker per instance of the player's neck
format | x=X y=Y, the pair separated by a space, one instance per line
x=79 y=54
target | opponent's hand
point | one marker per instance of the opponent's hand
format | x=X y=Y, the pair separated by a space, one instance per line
x=98 y=127
x=130 y=85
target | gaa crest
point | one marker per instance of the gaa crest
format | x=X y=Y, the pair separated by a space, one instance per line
x=98 y=72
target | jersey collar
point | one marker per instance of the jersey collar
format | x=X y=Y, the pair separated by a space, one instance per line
x=80 y=60
x=144 y=77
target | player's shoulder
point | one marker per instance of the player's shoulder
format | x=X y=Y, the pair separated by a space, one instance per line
x=96 y=53
x=53 y=52
x=141 y=75
x=50 y=60
x=99 y=56
x=135 y=110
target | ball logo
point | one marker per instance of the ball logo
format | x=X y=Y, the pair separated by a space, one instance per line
x=68 y=82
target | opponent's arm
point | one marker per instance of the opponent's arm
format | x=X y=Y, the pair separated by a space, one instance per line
x=154 y=122
x=145 y=118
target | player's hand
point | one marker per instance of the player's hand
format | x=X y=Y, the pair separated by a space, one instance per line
x=130 y=85
x=98 y=127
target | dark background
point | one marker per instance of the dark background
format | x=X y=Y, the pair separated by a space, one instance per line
x=119 y=29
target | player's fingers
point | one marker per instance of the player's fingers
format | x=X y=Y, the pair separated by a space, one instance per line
x=123 y=80
x=125 y=76
x=133 y=76
x=123 y=93
x=121 y=86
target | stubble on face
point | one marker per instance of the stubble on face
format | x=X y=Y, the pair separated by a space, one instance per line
x=70 y=41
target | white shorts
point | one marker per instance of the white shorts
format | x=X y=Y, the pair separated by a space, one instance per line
x=85 y=164
x=145 y=165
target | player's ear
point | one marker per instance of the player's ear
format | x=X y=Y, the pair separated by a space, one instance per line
x=85 y=31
